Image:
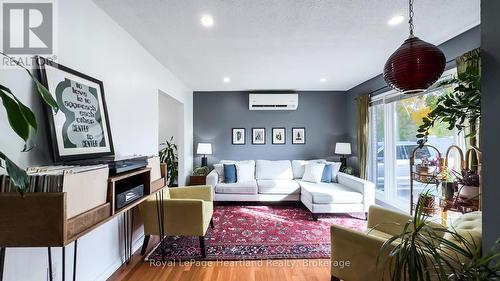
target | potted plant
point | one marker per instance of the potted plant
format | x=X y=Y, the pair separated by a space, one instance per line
x=421 y=252
x=168 y=155
x=23 y=122
x=460 y=109
x=427 y=166
x=201 y=171
x=428 y=202
x=449 y=183
x=469 y=181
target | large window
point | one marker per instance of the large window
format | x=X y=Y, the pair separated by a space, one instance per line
x=394 y=120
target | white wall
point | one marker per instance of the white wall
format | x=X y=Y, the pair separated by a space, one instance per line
x=170 y=111
x=91 y=42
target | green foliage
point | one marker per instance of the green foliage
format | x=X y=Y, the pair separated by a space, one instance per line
x=169 y=156
x=424 y=251
x=459 y=109
x=201 y=171
x=23 y=122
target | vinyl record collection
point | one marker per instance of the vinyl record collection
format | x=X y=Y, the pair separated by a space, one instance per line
x=45 y=179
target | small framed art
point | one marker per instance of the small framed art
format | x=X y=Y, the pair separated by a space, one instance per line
x=279 y=136
x=258 y=136
x=238 y=136
x=299 y=135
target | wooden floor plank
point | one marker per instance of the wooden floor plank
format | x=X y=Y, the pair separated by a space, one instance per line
x=281 y=270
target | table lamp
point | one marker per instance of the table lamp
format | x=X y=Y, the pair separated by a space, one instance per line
x=204 y=149
x=343 y=149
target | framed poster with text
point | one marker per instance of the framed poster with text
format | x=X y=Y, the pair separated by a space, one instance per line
x=80 y=128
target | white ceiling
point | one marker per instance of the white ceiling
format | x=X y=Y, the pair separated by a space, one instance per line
x=283 y=44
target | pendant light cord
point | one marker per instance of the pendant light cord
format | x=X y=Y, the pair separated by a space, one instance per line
x=411 y=14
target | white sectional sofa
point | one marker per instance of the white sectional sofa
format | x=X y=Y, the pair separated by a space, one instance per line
x=282 y=181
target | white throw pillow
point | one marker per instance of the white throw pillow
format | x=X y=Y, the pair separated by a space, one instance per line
x=313 y=172
x=219 y=168
x=245 y=172
x=273 y=170
x=299 y=166
x=335 y=170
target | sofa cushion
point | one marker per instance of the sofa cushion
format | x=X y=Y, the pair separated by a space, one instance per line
x=219 y=169
x=335 y=170
x=299 y=166
x=249 y=187
x=245 y=172
x=329 y=193
x=273 y=170
x=236 y=162
x=313 y=172
x=230 y=175
x=278 y=187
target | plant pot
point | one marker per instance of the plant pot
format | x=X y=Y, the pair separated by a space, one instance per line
x=423 y=170
x=449 y=190
x=468 y=191
x=428 y=204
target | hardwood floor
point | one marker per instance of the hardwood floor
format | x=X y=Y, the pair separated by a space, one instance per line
x=281 y=270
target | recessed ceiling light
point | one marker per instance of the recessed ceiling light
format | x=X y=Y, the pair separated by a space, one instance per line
x=396 y=20
x=226 y=79
x=207 y=20
x=322 y=80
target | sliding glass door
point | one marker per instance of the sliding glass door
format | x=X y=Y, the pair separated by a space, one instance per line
x=394 y=120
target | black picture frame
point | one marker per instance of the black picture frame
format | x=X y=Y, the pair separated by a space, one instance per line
x=233 y=133
x=50 y=115
x=284 y=135
x=263 y=136
x=294 y=140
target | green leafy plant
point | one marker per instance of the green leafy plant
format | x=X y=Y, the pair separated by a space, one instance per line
x=168 y=155
x=201 y=171
x=23 y=122
x=460 y=109
x=422 y=252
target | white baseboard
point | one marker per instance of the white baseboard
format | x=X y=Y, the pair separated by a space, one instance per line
x=136 y=245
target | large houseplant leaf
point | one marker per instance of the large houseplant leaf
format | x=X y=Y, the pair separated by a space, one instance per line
x=17 y=175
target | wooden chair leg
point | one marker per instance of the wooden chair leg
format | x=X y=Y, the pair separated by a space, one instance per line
x=202 y=247
x=212 y=223
x=334 y=279
x=145 y=244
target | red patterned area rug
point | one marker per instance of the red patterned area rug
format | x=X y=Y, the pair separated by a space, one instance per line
x=260 y=232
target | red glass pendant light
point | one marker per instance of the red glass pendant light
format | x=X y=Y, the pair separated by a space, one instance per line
x=415 y=65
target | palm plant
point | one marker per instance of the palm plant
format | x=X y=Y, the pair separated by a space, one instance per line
x=168 y=155
x=23 y=122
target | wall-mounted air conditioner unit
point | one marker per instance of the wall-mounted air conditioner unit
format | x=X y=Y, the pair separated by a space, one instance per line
x=273 y=101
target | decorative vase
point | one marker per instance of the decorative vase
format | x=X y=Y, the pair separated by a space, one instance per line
x=468 y=191
x=449 y=190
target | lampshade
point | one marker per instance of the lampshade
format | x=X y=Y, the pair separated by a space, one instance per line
x=343 y=148
x=204 y=148
x=415 y=66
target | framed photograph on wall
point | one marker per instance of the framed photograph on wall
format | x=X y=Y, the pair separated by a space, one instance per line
x=279 y=135
x=299 y=135
x=238 y=136
x=80 y=128
x=258 y=135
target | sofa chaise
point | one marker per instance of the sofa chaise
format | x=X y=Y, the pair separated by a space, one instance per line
x=283 y=181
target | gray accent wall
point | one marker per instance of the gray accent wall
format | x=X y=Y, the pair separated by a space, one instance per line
x=452 y=48
x=490 y=127
x=323 y=114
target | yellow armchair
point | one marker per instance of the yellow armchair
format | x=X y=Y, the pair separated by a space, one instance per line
x=187 y=211
x=354 y=253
